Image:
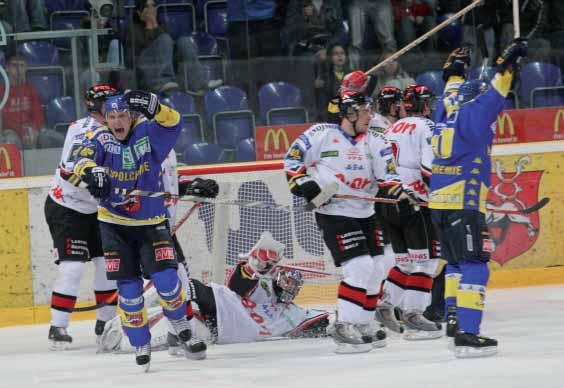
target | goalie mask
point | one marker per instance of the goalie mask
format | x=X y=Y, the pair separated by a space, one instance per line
x=263 y=257
x=289 y=284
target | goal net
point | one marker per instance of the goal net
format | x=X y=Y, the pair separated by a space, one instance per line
x=215 y=235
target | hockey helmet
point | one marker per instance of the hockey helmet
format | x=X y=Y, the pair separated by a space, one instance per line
x=95 y=97
x=415 y=97
x=352 y=102
x=115 y=104
x=289 y=282
x=357 y=81
x=387 y=96
x=469 y=90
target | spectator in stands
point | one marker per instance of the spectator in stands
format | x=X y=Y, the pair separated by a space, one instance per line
x=392 y=75
x=313 y=25
x=152 y=53
x=328 y=82
x=22 y=116
x=23 y=15
x=379 y=13
x=412 y=18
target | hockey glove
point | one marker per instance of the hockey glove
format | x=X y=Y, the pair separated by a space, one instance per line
x=407 y=201
x=98 y=182
x=457 y=63
x=304 y=186
x=262 y=262
x=199 y=187
x=511 y=56
x=143 y=102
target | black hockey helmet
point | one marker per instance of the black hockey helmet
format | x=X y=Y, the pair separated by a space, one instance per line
x=351 y=102
x=415 y=97
x=96 y=96
x=387 y=96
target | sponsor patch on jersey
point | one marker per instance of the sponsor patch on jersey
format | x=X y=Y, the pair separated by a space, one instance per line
x=112 y=148
x=303 y=138
x=330 y=154
x=295 y=153
x=112 y=265
x=386 y=151
x=142 y=146
x=164 y=254
x=391 y=167
x=354 y=167
x=488 y=245
x=105 y=137
x=127 y=161
x=354 y=154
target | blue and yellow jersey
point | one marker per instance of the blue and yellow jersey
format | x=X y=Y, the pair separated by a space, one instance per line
x=132 y=165
x=462 y=141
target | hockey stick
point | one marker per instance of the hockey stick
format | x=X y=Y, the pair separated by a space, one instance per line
x=107 y=302
x=185 y=217
x=423 y=37
x=481 y=39
x=304 y=269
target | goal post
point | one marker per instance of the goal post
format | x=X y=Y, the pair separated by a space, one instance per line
x=215 y=235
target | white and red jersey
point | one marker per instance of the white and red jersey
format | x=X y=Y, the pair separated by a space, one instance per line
x=360 y=165
x=379 y=123
x=64 y=187
x=410 y=139
x=170 y=185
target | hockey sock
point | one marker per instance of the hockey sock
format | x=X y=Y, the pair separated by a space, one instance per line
x=103 y=290
x=63 y=297
x=452 y=279
x=132 y=312
x=374 y=285
x=396 y=282
x=420 y=282
x=172 y=295
x=352 y=290
x=471 y=295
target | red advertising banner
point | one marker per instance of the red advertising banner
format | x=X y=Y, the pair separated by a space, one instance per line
x=10 y=161
x=530 y=125
x=272 y=142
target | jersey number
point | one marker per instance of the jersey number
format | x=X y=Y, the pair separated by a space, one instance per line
x=442 y=143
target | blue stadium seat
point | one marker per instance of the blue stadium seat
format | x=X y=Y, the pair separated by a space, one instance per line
x=281 y=103
x=39 y=53
x=179 y=19
x=548 y=96
x=204 y=153
x=193 y=129
x=59 y=113
x=215 y=18
x=245 y=151
x=536 y=76
x=66 y=20
x=65 y=5
x=206 y=43
x=433 y=80
x=227 y=112
x=213 y=65
x=49 y=82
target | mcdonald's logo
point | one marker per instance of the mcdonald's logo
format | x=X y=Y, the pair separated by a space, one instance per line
x=501 y=120
x=558 y=120
x=4 y=154
x=276 y=135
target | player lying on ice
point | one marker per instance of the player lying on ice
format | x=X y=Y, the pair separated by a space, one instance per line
x=256 y=304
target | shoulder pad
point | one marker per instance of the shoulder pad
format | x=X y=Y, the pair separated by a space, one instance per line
x=97 y=132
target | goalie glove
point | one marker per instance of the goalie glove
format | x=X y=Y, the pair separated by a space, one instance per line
x=262 y=262
x=143 y=102
x=288 y=284
x=206 y=188
x=304 y=186
x=97 y=181
x=457 y=63
x=512 y=55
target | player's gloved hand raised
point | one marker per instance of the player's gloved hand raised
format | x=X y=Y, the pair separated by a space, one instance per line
x=511 y=56
x=98 y=182
x=305 y=186
x=143 y=102
x=199 y=187
x=457 y=63
x=407 y=200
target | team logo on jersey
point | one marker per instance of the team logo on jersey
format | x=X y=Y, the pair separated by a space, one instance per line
x=127 y=161
x=354 y=154
x=513 y=234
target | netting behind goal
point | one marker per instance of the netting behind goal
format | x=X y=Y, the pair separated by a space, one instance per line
x=215 y=235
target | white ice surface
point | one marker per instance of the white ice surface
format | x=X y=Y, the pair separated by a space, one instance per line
x=529 y=323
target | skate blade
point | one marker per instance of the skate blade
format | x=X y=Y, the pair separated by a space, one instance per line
x=57 y=346
x=421 y=335
x=145 y=367
x=353 y=348
x=192 y=355
x=379 y=344
x=470 y=352
x=175 y=351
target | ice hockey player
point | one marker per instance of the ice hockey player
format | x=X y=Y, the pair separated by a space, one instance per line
x=389 y=109
x=124 y=156
x=358 y=162
x=409 y=228
x=257 y=304
x=70 y=212
x=461 y=176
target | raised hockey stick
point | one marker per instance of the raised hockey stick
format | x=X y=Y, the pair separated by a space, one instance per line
x=107 y=302
x=423 y=37
x=483 y=47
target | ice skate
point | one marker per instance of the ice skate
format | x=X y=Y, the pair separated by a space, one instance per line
x=468 y=345
x=193 y=348
x=349 y=339
x=420 y=328
x=375 y=332
x=385 y=314
x=143 y=356
x=60 y=339
x=451 y=326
